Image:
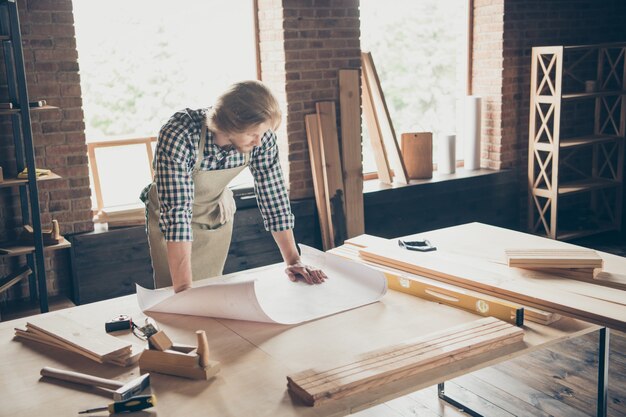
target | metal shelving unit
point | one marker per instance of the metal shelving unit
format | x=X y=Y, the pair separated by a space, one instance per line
x=10 y=37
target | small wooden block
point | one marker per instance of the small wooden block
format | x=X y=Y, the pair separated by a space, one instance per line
x=177 y=364
x=417 y=151
x=160 y=341
x=1 y=175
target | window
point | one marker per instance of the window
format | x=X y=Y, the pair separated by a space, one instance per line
x=420 y=52
x=142 y=60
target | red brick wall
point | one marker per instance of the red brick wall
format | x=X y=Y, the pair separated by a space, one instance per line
x=504 y=33
x=52 y=72
x=486 y=80
x=319 y=37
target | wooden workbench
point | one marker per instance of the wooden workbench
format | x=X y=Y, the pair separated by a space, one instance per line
x=255 y=357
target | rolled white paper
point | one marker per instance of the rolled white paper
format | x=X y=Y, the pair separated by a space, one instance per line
x=447 y=154
x=472 y=132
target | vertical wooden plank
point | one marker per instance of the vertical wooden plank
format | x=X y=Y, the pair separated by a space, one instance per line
x=315 y=156
x=532 y=208
x=380 y=107
x=376 y=137
x=556 y=141
x=331 y=164
x=91 y=153
x=351 y=157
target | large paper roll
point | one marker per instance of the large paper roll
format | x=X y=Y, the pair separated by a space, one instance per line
x=472 y=132
x=447 y=154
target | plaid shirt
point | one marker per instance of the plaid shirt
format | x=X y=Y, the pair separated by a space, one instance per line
x=174 y=162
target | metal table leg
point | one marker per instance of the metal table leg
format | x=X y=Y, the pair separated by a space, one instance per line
x=603 y=372
x=442 y=395
x=603 y=380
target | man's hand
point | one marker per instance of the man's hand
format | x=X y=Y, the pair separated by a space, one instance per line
x=181 y=288
x=310 y=274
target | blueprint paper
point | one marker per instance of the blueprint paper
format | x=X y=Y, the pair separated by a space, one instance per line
x=269 y=296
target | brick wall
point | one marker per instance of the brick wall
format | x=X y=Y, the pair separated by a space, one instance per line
x=319 y=37
x=52 y=73
x=486 y=80
x=504 y=33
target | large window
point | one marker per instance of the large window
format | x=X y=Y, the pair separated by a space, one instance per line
x=142 y=60
x=420 y=52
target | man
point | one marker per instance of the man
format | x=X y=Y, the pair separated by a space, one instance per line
x=189 y=205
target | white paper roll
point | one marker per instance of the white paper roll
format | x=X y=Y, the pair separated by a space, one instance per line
x=472 y=132
x=447 y=154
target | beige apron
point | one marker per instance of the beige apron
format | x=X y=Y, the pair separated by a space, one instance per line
x=211 y=239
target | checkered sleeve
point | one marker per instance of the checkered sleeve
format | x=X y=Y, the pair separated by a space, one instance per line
x=175 y=158
x=269 y=185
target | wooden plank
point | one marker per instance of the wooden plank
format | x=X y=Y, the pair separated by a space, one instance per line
x=331 y=167
x=553 y=258
x=428 y=289
x=380 y=107
x=441 y=266
x=417 y=152
x=410 y=358
x=315 y=157
x=352 y=153
x=375 y=133
x=13 y=278
x=350 y=250
x=75 y=335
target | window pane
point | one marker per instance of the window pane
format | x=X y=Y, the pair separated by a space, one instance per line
x=127 y=172
x=419 y=48
x=142 y=60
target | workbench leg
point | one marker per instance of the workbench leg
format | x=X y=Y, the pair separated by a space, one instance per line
x=441 y=392
x=603 y=372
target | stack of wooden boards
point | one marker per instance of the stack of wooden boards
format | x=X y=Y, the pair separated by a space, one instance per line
x=336 y=159
x=581 y=264
x=412 y=357
x=68 y=335
x=337 y=174
x=462 y=264
x=433 y=290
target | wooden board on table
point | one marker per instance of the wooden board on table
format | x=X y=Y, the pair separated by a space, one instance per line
x=432 y=290
x=375 y=132
x=380 y=107
x=351 y=249
x=381 y=367
x=70 y=335
x=351 y=155
x=553 y=258
x=331 y=166
x=315 y=157
x=447 y=268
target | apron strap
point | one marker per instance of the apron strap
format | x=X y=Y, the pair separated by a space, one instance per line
x=201 y=146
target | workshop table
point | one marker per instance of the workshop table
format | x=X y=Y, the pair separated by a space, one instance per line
x=255 y=358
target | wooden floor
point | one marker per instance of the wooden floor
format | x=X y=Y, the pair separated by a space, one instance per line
x=560 y=381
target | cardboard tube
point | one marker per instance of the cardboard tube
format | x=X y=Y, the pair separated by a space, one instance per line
x=472 y=132
x=447 y=154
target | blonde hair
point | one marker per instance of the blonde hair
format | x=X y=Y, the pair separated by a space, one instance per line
x=244 y=105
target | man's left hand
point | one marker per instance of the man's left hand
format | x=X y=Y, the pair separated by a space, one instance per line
x=310 y=274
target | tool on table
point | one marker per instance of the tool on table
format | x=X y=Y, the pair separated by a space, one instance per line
x=167 y=357
x=421 y=245
x=119 y=390
x=51 y=236
x=39 y=172
x=141 y=402
x=120 y=322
